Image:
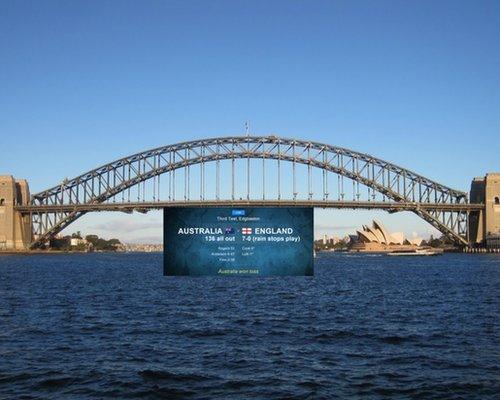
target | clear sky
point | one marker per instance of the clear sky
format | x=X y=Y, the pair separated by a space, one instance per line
x=83 y=83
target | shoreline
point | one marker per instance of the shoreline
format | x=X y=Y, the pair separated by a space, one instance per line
x=49 y=252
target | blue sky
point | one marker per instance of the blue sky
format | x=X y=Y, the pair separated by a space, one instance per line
x=415 y=83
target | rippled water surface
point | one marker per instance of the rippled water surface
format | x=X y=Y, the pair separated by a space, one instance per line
x=111 y=326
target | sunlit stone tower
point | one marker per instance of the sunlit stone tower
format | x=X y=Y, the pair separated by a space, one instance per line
x=485 y=225
x=15 y=229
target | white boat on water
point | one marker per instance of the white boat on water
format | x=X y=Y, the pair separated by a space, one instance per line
x=416 y=252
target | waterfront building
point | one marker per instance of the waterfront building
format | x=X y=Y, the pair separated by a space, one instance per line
x=376 y=238
x=74 y=241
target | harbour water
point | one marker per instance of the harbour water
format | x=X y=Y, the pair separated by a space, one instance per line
x=111 y=326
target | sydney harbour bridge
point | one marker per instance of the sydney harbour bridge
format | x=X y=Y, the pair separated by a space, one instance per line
x=248 y=171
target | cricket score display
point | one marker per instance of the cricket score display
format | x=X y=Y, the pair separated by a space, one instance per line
x=258 y=241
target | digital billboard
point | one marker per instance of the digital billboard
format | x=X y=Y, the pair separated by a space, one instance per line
x=257 y=241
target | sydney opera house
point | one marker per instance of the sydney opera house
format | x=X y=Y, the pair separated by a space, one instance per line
x=377 y=239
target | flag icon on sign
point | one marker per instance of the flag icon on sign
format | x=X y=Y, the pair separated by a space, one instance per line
x=246 y=231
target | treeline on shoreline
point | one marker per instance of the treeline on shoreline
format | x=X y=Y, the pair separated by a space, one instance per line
x=76 y=242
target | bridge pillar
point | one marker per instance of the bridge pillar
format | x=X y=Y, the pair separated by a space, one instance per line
x=485 y=224
x=15 y=228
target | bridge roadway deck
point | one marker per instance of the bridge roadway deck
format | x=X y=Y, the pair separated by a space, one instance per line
x=154 y=205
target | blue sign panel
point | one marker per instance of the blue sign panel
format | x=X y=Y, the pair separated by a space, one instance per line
x=260 y=241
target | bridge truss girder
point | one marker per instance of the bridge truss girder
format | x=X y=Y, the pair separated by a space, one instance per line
x=112 y=181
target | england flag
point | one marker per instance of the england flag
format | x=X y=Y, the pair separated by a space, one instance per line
x=246 y=231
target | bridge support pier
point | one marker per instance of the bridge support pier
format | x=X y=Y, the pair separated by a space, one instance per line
x=15 y=228
x=485 y=225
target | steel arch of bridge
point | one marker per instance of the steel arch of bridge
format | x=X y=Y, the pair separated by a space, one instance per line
x=54 y=209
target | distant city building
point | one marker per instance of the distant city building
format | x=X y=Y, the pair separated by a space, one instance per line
x=143 y=248
x=330 y=240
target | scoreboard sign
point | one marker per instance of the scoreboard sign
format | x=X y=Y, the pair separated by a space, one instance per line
x=258 y=241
